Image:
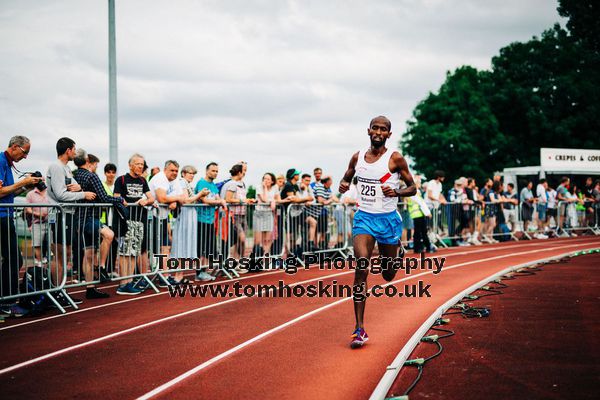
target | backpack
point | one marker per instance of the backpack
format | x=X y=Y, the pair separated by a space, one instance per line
x=221 y=184
x=505 y=230
x=35 y=279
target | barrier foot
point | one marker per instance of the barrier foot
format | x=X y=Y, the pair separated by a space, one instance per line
x=441 y=242
x=161 y=277
x=151 y=284
x=301 y=262
x=56 y=303
x=69 y=299
x=227 y=274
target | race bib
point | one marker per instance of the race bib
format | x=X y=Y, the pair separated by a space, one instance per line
x=370 y=193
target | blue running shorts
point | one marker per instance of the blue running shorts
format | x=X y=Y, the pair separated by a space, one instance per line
x=385 y=228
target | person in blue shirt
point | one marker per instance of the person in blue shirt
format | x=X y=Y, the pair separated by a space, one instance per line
x=206 y=218
x=18 y=149
x=317 y=172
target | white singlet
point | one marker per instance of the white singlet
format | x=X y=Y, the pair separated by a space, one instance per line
x=371 y=177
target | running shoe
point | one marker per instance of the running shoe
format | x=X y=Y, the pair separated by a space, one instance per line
x=14 y=310
x=128 y=290
x=162 y=281
x=172 y=281
x=359 y=338
x=141 y=284
x=473 y=240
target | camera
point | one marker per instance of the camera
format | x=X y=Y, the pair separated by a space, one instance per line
x=41 y=185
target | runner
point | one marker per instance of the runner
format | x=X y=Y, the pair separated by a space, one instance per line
x=378 y=171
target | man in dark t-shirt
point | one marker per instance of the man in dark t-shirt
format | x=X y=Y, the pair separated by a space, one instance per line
x=133 y=232
x=289 y=195
x=291 y=185
x=588 y=201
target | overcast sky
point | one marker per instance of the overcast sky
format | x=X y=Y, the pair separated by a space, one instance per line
x=276 y=83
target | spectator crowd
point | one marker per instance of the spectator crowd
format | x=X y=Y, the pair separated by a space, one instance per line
x=147 y=209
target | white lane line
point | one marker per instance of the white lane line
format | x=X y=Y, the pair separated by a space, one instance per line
x=248 y=342
x=151 y=323
x=141 y=297
x=393 y=369
x=145 y=325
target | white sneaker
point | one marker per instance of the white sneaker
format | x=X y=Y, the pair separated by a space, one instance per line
x=204 y=277
x=475 y=241
x=573 y=234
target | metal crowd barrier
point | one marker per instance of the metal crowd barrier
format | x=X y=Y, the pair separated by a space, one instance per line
x=32 y=270
x=220 y=237
x=63 y=247
x=257 y=231
x=105 y=247
x=453 y=222
x=577 y=216
x=317 y=228
x=456 y=223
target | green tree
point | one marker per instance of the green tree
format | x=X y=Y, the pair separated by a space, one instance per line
x=544 y=94
x=584 y=17
x=455 y=130
x=541 y=93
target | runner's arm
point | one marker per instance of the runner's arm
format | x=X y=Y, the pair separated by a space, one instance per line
x=349 y=174
x=401 y=167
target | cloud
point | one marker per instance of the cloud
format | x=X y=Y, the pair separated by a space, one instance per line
x=277 y=84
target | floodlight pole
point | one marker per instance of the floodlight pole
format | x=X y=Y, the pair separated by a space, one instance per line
x=113 y=153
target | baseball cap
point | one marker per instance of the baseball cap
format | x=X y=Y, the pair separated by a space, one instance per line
x=291 y=172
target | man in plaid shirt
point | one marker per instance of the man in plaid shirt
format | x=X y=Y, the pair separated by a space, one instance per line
x=89 y=220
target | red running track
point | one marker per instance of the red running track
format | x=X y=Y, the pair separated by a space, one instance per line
x=540 y=341
x=252 y=348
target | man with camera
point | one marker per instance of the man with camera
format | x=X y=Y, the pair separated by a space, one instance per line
x=18 y=149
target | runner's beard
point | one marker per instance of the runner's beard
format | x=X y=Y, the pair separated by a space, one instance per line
x=378 y=145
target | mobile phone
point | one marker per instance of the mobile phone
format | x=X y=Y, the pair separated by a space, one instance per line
x=67 y=181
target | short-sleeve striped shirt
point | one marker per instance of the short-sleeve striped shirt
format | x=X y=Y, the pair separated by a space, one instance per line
x=321 y=191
